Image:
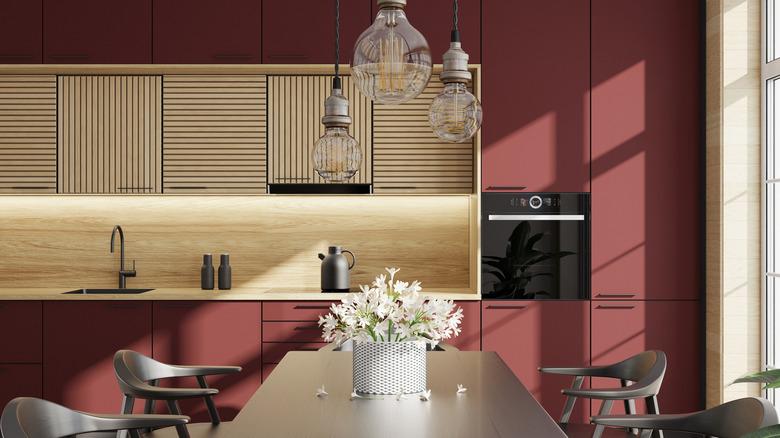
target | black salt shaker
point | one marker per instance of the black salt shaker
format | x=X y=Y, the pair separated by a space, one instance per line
x=207 y=273
x=225 y=272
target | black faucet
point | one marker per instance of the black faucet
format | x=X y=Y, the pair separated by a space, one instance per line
x=122 y=273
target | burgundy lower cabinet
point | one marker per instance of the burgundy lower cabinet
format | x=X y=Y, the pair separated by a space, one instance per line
x=624 y=328
x=21 y=328
x=19 y=380
x=79 y=342
x=470 y=338
x=20 y=32
x=290 y=326
x=211 y=333
x=531 y=334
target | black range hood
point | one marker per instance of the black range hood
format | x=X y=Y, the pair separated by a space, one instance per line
x=319 y=189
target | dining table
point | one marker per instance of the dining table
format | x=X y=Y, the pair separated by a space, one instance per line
x=310 y=395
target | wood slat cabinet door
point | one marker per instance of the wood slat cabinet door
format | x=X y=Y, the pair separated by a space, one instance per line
x=536 y=96
x=214 y=130
x=296 y=105
x=28 y=134
x=646 y=150
x=207 y=32
x=97 y=31
x=109 y=134
x=433 y=18
x=20 y=31
x=621 y=329
x=532 y=334
x=301 y=31
x=202 y=333
x=79 y=342
x=409 y=158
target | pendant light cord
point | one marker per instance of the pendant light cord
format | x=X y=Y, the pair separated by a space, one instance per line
x=455 y=35
x=336 y=78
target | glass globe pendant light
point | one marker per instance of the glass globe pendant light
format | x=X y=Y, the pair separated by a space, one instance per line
x=392 y=61
x=337 y=155
x=455 y=114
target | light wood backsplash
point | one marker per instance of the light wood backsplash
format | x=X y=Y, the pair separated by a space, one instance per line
x=56 y=241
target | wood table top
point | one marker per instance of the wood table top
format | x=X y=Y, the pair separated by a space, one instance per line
x=496 y=404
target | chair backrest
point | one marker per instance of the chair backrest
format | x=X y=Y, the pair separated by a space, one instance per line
x=35 y=418
x=645 y=369
x=731 y=420
x=134 y=370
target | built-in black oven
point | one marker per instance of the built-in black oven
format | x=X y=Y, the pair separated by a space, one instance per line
x=536 y=246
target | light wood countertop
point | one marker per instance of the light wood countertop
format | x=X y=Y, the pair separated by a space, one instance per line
x=190 y=294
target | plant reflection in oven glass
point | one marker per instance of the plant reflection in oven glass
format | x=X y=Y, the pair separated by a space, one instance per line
x=513 y=272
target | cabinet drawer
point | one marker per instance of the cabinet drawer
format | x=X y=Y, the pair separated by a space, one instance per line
x=295 y=311
x=21 y=329
x=298 y=331
x=273 y=352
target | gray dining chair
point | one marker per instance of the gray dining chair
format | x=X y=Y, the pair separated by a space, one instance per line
x=35 y=418
x=138 y=376
x=640 y=377
x=349 y=346
x=729 y=420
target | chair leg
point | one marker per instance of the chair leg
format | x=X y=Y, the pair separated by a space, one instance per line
x=127 y=408
x=652 y=409
x=630 y=407
x=215 y=420
x=149 y=405
x=173 y=408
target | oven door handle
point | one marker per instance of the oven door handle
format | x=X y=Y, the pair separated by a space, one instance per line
x=536 y=217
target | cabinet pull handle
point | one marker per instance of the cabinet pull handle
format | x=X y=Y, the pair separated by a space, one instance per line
x=307 y=349
x=307 y=327
x=13 y=56
x=506 y=188
x=70 y=56
x=311 y=307
x=31 y=187
x=177 y=305
x=498 y=307
x=189 y=187
x=232 y=56
x=288 y=56
x=624 y=295
x=601 y=306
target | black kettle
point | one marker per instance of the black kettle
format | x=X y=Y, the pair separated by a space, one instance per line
x=334 y=271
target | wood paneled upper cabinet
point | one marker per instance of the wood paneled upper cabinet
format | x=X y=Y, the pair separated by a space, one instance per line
x=409 y=158
x=624 y=328
x=97 y=31
x=531 y=334
x=79 y=342
x=226 y=333
x=536 y=95
x=433 y=18
x=20 y=32
x=110 y=134
x=296 y=105
x=301 y=31
x=206 y=32
x=214 y=130
x=646 y=150
x=28 y=134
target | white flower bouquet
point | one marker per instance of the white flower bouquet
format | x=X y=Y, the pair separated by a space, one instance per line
x=391 y=310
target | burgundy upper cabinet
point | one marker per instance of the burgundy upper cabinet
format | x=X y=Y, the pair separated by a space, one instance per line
x=97 y=31
x=207 y=31
x=20 y=32
x=535 y=95
x=226 y=333
x=531 y=334
x=646 y=149
x=302 y=31
x=79 y=342
x=434 y=19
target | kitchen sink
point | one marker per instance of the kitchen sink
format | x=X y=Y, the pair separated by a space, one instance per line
x=106 y=291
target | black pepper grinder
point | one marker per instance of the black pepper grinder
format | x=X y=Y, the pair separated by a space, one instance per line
x=225 y=272
x=207 y=273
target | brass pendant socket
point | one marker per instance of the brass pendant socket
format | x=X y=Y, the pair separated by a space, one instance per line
x=336 y=110
x=455 y=65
